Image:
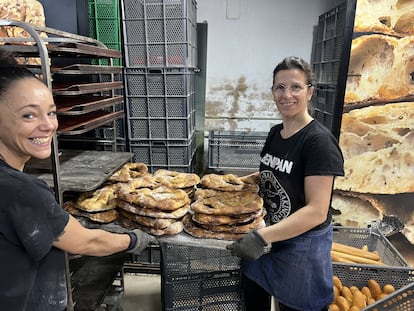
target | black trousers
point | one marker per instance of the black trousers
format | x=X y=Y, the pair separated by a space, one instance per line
x=257 y=299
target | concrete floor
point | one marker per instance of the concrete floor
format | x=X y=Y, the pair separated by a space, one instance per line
x=142 y=292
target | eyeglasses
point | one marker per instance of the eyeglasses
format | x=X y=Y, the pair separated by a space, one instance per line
x=295 y=89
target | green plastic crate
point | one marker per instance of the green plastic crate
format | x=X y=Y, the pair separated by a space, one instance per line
x=104 y=25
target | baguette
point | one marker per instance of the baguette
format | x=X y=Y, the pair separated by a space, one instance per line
x=355 y=258
x=342 y=248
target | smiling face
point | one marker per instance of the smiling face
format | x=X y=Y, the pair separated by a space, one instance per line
x=27 y=122
x=292 y=104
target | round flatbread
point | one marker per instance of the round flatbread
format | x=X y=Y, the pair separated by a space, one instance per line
x=229 y=203
x=176 y=180
x=102 y=199
x=162 y=198
x=150 y=212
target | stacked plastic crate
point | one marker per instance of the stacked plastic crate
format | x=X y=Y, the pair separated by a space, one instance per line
x=160 y=59
x=104 y=24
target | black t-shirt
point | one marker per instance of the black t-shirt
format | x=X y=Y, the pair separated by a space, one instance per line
x=32 y=271
x=285 y=163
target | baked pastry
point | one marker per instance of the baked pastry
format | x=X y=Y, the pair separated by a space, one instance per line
x=392 y=17
x=129 y=171
x=152 y=222
x=191 y=228
x=208 y=219
x=102 y=199
x=229 y=203
x=162 y=198
x=175 y=228
x=100 y=217
x=150 y=212
x=380 y=70
x=226 y=182
x=253 y=224
x=176 y=180
x=145 y=181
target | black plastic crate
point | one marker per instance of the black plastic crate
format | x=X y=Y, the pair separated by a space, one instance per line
x=328 y=45
x=160 y=106
x=199 y=278
x=374 y=240
x=401 y=300
x=162 y=128
x=160 y=33
x=159 y=82
x=401 y=278
x=235 y=149
x=168 y=154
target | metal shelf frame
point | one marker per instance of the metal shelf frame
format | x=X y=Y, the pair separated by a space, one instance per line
x=57 y=44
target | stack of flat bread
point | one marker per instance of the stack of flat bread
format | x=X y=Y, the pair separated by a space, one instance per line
x=377 y=132
x=226 y=208
x=98 y=206
x=156 y=203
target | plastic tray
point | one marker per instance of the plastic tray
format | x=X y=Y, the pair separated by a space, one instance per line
x=401 y=278
x=374 y=240
x=235 y=149
x=199 y=278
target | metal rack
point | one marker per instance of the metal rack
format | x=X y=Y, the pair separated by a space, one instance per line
x=93 y=104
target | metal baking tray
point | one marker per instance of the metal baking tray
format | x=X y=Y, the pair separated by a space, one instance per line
x=96 y=167
x=86 y=69
x=86 y=88
x=71 y=125
x=82 y=49
x=84 y=104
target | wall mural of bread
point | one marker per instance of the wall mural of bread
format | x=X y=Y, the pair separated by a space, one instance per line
x=377 y=132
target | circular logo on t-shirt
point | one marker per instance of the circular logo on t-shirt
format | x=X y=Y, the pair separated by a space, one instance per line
x=275 y=197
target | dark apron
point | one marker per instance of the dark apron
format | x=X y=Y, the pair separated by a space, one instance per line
x=298 y=271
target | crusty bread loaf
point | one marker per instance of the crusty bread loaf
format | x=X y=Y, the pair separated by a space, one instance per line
x=380 y=70
x=375 y=127
x=392 y=17
x=377 y=142
x=385 y=171
x=352 y=211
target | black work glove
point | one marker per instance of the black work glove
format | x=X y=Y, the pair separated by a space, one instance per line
x=251 y=246
x=139 y=241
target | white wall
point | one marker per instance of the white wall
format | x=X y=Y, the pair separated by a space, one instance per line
x=242 y=52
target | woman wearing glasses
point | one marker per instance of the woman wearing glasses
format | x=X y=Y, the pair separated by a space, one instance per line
x=290 y=258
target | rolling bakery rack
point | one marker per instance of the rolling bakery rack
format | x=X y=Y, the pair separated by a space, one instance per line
x=88 y=98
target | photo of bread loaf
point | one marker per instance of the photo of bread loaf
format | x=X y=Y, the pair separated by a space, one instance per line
x=377 y=135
